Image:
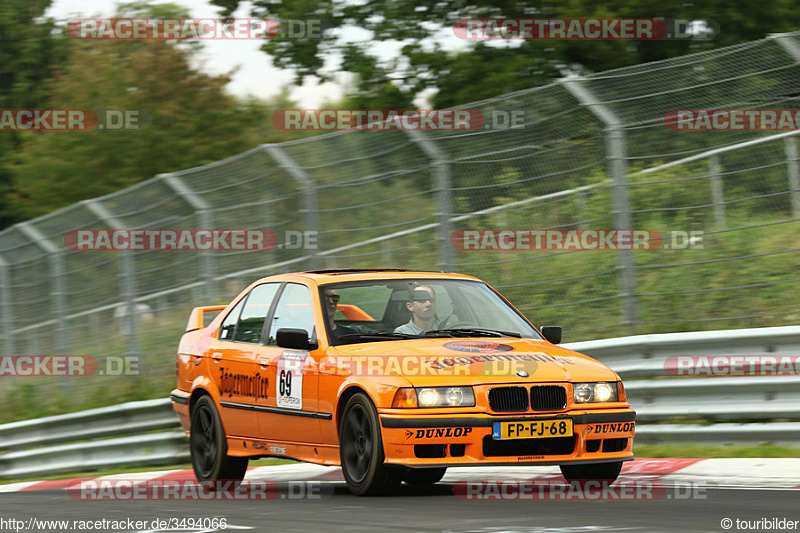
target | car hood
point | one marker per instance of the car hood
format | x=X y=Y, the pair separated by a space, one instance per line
x=429 y=362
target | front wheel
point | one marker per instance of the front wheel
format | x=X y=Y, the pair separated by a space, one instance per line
x=606 y=473
x=361 y=450
x=209 y=449
x=421 y=477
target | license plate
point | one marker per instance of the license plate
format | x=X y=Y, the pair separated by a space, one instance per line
x=532 y=429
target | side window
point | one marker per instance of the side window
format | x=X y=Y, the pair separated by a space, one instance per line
x=251 y=321
x=293 y=311
x=229 y=324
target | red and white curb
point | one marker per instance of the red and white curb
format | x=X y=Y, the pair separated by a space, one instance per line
x=744 y=472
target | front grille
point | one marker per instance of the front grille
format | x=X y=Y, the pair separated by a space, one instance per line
x=548 y=398
x=547 y=446
x=508 y=399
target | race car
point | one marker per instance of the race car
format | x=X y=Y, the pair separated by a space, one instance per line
x=394 y=375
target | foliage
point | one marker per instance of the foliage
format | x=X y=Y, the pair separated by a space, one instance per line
x=484 y=70
x=187 y=120
x=30 y=50
x=193 y=122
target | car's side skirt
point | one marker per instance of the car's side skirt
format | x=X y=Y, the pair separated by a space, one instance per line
x=317 y=453
x=276 y=410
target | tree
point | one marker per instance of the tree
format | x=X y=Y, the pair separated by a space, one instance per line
x=194 y=122
x=29 y=52
x=486 y=70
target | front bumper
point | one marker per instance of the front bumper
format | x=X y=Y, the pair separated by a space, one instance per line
x=598 y=436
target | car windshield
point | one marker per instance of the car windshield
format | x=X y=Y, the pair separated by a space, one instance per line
x=375 y=310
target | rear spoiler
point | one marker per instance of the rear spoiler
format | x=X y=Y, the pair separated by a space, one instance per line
x=196 y=319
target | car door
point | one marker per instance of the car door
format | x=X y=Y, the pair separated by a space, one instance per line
x=243 y=380
x=294 y=374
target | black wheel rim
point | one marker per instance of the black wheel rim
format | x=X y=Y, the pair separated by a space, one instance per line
x=204 y=442
x=357 y=443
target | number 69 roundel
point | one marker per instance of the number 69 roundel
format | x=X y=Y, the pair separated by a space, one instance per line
x=289 y=382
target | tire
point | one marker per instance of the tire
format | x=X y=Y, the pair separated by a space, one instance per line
x=209 y=448
x=606 y=473
x=361 y=450
x=421 y=477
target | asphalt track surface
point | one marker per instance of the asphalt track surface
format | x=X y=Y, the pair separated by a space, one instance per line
x=414 y=509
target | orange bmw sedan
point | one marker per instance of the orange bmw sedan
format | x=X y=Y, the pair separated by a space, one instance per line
x=394 y=375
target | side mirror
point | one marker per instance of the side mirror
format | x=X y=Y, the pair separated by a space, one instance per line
x=294 y=338
x=551 y=333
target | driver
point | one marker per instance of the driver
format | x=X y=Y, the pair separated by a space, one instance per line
x=331 y=300
x=422 y=304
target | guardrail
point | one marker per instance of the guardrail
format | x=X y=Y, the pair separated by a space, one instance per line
x=123 y=419
x=646 y=363
x=34 y=447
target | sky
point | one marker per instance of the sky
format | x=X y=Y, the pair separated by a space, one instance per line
x=255 y=75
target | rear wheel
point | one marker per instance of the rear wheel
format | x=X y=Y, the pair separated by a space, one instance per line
x=361 y=450
x=606 y=473
x=209 y=449
x=421 y=477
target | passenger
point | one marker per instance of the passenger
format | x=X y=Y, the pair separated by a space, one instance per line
x=422 y=304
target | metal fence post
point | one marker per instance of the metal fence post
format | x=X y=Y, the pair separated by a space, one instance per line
x=128 y=273
x=788 y=43
x=57 y=278
x=203 y=211
x=6 y=309
x=793 y=168
x=444 y=193
x=790 y=46
x=717 y=191
x=309 y=191
x=386 y=253
x=58 y=290
x=616 y=155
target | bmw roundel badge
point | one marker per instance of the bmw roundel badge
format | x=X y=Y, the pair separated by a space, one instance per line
x=522 y=374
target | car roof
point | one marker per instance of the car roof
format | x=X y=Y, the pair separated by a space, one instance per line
x=321 y=277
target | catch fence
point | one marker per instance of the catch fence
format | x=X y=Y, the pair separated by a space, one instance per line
x=594 y=153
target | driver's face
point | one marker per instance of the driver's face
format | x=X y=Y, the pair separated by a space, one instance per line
x=424 y=309
x=331 y=299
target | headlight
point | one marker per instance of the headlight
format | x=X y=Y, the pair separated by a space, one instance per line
x=595 y=392
x=434 y=397
x=446 y=397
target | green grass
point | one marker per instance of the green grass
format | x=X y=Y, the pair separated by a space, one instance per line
x=700 y=450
